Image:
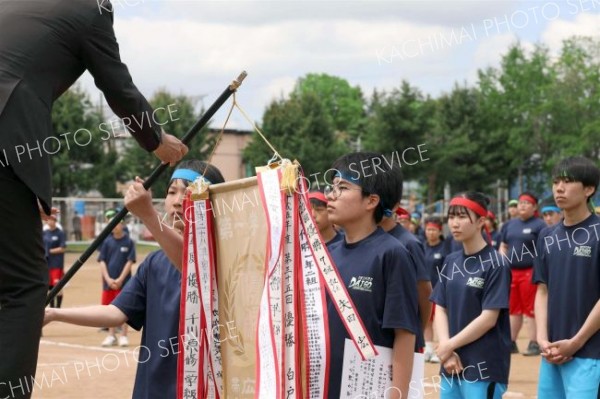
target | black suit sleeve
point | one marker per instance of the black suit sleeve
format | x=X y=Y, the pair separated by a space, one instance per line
x=101 y=57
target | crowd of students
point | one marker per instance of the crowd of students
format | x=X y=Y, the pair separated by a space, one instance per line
x=473 y=289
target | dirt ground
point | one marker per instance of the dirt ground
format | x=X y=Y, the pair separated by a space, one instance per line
x=73 y=365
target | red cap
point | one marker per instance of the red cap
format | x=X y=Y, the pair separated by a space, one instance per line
x=318 y=196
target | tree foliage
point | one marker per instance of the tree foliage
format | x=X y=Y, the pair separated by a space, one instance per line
x=177 y=115
x=517 y=119
x=300 y=127
x=83 y=161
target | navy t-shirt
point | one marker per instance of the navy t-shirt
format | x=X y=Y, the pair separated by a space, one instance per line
x=116 y=253
x=420 y=234
x=151 y=301
x=383 y=290
x=54 y=239
x=569 y=264
x=521 y=236
x=434 y=258
x=337 y=238
x=415 y=249
x=468 y=285
x=417 y=255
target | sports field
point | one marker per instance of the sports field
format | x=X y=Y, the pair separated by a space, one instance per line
x=73 y=365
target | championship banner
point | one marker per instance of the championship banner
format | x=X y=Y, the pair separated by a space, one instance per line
x=263 y=304
x=200 y=369
x=268 y=333
x=241 y=238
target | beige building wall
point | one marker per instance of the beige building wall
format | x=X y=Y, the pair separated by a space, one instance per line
x=228 y=156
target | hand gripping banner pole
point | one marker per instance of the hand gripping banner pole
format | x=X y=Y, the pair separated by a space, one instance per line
x=187 y=138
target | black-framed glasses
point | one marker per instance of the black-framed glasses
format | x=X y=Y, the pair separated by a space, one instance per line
x=335 y=190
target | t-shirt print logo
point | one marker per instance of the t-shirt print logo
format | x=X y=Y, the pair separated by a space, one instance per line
x=475 y=282
x=361 y=283
x=583 y=250
x=527 y=231
x=124 y=249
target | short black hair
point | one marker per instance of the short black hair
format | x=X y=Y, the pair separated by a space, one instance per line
x=376 y=177
x=578 y=169
x=209 y=171
x=479 y=198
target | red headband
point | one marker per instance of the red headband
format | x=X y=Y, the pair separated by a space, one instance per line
x=318 y=196
x=528 y=198
x=433 y=224
x=467 y=203
x=401 y=211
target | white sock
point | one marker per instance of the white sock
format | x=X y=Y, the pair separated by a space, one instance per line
x=429 y=347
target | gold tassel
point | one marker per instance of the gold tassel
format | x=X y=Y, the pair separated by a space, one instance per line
x=289 y=178
x=199 y=189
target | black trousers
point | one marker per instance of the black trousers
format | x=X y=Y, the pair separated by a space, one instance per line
x=23 y=285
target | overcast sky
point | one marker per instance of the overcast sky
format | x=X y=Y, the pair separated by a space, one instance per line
x=197 y=47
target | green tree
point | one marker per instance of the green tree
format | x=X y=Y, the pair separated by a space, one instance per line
x=82 y=161
x=516 y=101
x=299 y=128
x=177 y=115
x=343 y=103
x=399 y=120
x=575 y=97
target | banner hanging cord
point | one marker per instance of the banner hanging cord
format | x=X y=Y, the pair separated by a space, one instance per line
x=256 y=129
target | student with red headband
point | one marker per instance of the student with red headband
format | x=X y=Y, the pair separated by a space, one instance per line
x=518 y=238
x=567 y=303
x=472 y=300
x=434 y=259
x=318 y=205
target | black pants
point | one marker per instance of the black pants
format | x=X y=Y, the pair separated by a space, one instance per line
x=23 y=286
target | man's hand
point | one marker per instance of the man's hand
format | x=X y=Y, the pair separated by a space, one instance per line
x=53 y=212
x=171 y=150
